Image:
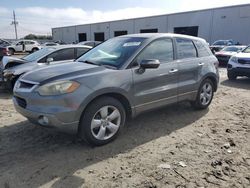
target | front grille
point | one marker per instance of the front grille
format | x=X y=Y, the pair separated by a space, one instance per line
x=244 y=61
x=21 y=102
x=223 y=59
x=25 y=85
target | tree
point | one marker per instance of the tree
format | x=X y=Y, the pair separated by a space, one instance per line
x=38 y=37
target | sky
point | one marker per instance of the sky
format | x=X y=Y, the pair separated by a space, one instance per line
x=39 y=16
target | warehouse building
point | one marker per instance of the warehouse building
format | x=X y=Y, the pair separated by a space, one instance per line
x=211 y=24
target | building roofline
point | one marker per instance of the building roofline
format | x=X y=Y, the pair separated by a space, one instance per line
x=153 y=16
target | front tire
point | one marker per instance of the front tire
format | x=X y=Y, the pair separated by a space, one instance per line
x=205 y=95
x=34 y=50
x=11 y=51
x=231 y=76
x=102 y=121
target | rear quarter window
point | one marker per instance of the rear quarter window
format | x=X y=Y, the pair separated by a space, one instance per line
x=185 y=48
x=203 y=49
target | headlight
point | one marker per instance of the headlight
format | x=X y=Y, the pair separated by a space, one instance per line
x=8 y=73
x=58 y=88
x=234 y=59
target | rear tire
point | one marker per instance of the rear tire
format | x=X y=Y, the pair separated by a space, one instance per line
x=204 y=96
x=11 y=51
x=102 y=121
x=34 y=50
x=231 y=76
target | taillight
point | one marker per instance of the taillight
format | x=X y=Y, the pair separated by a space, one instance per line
x=5 y=51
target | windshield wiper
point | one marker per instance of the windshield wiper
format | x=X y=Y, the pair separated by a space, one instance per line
x=89 y=62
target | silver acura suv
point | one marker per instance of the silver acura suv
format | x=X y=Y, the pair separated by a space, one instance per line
x=118 y=79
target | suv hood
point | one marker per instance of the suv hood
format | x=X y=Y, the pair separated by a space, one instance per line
x=243 y=55
x=61 y=71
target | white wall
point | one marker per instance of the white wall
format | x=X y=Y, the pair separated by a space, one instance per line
x=68 y=34
x=99 y=28
x=223 y=23
x=201 y=19
x=232 y=23
x=83 y=29
x=124 y=25
x=57 y=34
x=157 y=22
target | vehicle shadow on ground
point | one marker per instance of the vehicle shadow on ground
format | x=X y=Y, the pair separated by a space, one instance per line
x=5 y=94
x=241 y=83
x=40 y=155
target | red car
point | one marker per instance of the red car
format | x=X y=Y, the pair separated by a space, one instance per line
x=225 y=54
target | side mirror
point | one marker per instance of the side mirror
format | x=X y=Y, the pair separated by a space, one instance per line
x=49 y=60
x=150 y=64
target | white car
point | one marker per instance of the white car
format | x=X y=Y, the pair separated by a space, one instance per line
x=24 y=46
x=239 y=64
x=50 y=44
x=90 y=43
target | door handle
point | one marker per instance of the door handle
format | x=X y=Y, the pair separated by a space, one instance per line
x=200 y=64
x=173 y=70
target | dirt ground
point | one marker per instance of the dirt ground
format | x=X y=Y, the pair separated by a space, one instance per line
x=172 y=147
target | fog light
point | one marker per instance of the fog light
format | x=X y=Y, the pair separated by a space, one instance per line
x=42 y=120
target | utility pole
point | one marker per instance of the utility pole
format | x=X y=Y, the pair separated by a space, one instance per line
x=15 y=23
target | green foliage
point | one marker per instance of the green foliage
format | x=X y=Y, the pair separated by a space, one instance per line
x=38 y=37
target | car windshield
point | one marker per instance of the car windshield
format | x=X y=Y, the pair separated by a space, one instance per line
x=38 y=54
x=246 y=50
x=231 y=49
x=114 y=52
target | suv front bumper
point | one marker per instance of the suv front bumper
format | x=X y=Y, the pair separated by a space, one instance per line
x=41 y=118
x=238 y=69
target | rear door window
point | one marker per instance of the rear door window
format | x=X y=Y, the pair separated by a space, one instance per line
x=203 y=51
x=81 y=51
x=64 y=54
x=185 y=48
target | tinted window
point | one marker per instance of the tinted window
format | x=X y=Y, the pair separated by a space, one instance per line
x=160 y=49
x=202 y=50
x=29 y=42
x=38 y=54
x=65 y=54
x=81 y=51
x=20 y=43
x=231 y=49
x=185 y=48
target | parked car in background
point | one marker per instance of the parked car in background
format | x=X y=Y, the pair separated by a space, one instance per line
x=4 y=42
x=90 y=43
x=50 y=44
x=119 y=78
x=225 y=54
x=220 y=44
x=15 y=67
x=3 y=52
x=239 y=64
x=24 y=46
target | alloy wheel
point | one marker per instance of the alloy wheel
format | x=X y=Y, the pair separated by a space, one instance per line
x=106 y=122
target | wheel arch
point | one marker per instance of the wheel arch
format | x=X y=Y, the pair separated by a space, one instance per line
x=214 y=78
x=117 y=94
